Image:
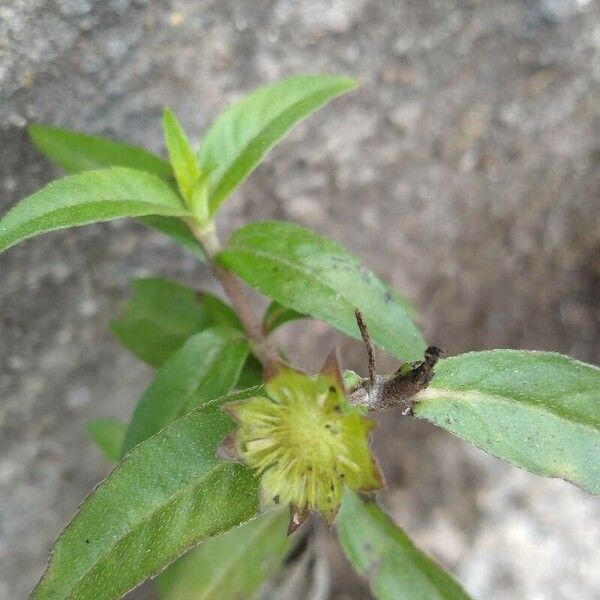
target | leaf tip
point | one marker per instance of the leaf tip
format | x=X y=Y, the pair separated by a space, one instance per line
x=351 y=82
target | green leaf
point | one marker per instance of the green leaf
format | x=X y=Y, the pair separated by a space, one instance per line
x=87 y=198
x=381 y=551
x=183 y=159
x=168 y=494
x=162 y=314
x=236 y=143
x=205 y=367
x=221 y=313
x=177 y=230
x=159 y=317
x=232 y=565
x=537 y=410
x=108 y=434
x=76 y=152
x=252 y=373
x=318 y=277
x=277 y=315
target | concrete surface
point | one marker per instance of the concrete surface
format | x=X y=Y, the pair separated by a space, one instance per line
x=464 y=171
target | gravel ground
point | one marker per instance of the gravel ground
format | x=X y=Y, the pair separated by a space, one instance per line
x=464 y=171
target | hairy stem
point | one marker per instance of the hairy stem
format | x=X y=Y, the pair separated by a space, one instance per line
x=236 y=293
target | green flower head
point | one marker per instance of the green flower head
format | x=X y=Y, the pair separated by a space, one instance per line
x=305 y=441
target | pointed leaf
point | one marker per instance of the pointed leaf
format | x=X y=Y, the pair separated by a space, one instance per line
x=168 y=494
x=159 y=317
x=236 y=143
x=318 y=277
x=537 y=410
x=183 y=159
x=205 y=367
x=108 y=434
x=232 y=565
x=76 y=152
x=381 y=551
x=87 y=198
x=277 y=315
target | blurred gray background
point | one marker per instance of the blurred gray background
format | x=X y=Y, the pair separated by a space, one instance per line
x=465 y=171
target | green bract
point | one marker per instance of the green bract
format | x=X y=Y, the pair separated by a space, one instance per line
x=304 y=441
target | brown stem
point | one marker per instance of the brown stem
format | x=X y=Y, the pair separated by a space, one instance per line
x=237 y=296
x=250 y=320
x=366 y=336
x=398 y=390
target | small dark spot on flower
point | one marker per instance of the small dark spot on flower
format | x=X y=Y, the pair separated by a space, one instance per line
x=332 y=389
x=276 y=499
x=87 y=541
x=387 y=297
x=327 y=426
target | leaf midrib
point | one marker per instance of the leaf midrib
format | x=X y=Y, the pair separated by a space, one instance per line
x=172 y=210
x=474 y=397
